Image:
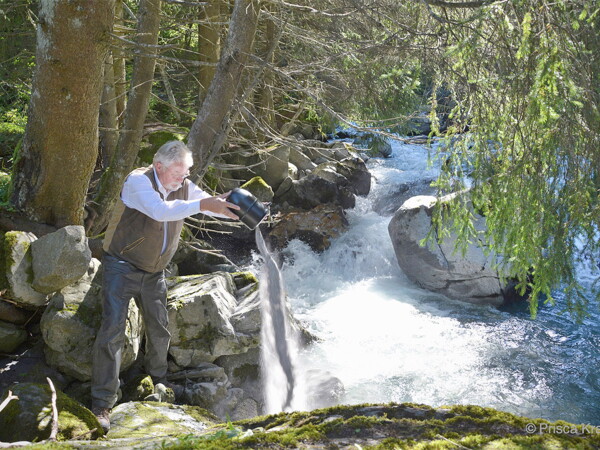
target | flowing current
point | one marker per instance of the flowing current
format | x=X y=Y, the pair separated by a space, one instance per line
x=383 y=339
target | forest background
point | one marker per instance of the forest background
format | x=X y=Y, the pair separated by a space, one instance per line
x=83 y=84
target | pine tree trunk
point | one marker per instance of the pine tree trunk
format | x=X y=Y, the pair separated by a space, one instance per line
x=59 y=149
x=209 y=44
x=138 y=101
x=210 y=127
x=108 y=114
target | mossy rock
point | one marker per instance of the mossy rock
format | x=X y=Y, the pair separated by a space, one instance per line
x=30 y=417
x=147 y=419
x=243 y=279
x=259 y=188
x=139 y=388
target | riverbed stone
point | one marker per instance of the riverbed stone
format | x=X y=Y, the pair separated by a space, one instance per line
x=439 y=267
x=60 y=258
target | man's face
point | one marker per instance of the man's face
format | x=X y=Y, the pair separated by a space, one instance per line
x=172 y=177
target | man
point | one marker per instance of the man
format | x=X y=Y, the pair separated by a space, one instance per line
x=140 y=240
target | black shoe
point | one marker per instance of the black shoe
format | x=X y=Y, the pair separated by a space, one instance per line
x=103 y=416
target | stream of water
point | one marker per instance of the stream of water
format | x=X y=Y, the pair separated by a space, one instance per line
x=386 y=340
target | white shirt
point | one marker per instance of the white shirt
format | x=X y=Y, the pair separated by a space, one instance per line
x=138 y=193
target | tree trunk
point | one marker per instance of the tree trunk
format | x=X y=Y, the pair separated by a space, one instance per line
x=209 y=44
x=108 y=114
x=210 y=127
x=59 y=150
x=119 y=64
x=138 y=100
x=265 y=95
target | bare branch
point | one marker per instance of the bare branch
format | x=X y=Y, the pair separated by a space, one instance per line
x=8 y=399
x=54 y=431
x=473 y=4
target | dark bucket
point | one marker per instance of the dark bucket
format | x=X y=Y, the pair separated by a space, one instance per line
x=251 y=211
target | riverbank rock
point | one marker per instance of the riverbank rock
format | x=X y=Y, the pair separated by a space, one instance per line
x=316 y=227
x=71 y=321
x=30 y=417
x=148 y=420
x=16 y=270
x=203 y=320
x=59 y=259
x=11 y=336
x=406 y=426
x=438 y=267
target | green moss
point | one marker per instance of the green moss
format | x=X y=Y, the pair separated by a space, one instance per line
x=139 y=388
x=35 y=422
x=259 y=188
x=243 y=279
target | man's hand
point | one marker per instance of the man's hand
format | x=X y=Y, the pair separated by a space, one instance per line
x=219 y=205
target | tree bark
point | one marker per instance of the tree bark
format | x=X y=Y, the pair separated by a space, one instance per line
x=209 y=44
x=59 y=149
x=119 y=64
x=210 y=127
x=265 y=105
x=138 y=100
x=108 y=114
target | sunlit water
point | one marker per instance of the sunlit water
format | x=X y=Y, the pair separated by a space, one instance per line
x=389 y=341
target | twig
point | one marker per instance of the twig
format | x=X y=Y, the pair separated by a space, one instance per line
x=54 y=431
x=452 y=442
x=8 y=399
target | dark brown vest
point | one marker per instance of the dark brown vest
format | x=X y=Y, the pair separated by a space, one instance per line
x=138 y=239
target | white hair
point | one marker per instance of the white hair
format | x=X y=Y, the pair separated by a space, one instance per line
x=173 y=152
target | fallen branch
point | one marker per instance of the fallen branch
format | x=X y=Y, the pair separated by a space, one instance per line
x=54 y=431
x=8 y=399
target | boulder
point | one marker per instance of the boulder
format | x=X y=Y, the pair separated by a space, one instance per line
x=350 y=173
x=316 y=227
x=13 y=314
x=149 y=419
x=16 y=271
x=274 y=165
x=60 y=258
x=438 y=267
x=11 y=336
x=300 y=160
x=71 y=321
x=202 y=313
x=260 y=189
x=30 y=417
x=355 y=171
x=311 y=191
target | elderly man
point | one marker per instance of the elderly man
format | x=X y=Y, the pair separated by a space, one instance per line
x=140 y=240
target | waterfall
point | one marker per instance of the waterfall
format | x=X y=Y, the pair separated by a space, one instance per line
x=279 y=341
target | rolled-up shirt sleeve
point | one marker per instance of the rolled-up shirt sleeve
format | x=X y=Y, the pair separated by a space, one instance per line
x=138 y=193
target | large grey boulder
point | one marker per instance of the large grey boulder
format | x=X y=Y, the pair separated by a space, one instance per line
x=438 y=267
x=16 y=271
x=206 y=321
x=60 y=258
x=71 y=321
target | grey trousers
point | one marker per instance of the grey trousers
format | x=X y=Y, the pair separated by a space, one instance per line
x=122 y=282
